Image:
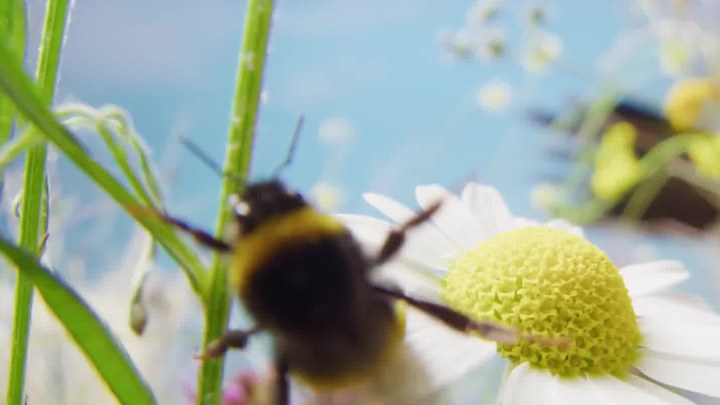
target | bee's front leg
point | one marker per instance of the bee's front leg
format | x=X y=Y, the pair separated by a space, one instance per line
x=236 y=339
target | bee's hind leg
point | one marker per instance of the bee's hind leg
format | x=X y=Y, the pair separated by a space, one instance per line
x=282 y=387
x=455 y=320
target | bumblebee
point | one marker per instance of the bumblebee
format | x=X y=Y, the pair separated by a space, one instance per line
x=304 y=279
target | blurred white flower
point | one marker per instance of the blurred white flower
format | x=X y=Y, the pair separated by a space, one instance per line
x=543 y=51
x=336 y=130
x=482 y=12
x=490 y=44
x=494 y=96
x=686 y=34
x=535 y=14
x=545 y=196
x=456 y=43
x=327 y=196
x=675 y=57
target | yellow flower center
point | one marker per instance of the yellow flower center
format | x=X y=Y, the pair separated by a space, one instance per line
x=548 y=282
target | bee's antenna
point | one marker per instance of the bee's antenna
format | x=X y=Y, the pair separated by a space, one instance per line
x=292 y=148
x=205 y=158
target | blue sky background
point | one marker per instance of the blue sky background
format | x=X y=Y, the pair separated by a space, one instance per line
x=377 y=63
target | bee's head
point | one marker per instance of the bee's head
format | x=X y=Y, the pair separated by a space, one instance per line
x=262 y=201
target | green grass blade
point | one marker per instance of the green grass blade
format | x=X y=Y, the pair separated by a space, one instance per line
x=15 y=83
x=31 y=218
x=12 y=149
x=237 y=162
x=114 y=135
x=12 y=27
x=121 y=159
x=126 y=129
x=87 y=330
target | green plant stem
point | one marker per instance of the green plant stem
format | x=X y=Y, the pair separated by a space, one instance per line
x=30 y=220
x=12 y=28
x=643 y=196
x=595 y=117
x=18 y=145
x=237 y=163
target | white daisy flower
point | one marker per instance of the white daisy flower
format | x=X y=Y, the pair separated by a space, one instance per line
x=630 y=334
x=327 y=197
x=494 y=96
x=544 y=50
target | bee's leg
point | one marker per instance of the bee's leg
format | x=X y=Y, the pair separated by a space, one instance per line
x=487 y=330
x=235 y=339
x=282 y=388
x=199 y=235
x=396 y=238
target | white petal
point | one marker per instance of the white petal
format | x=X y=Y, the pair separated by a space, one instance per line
x=615 y=391
x=667 y=396
x=528 y=386
x=416 y=284
x=389 y=207
x=488 y=205
x=686 y=374
x=369 y=231
x=519 y=222
x=453 y=218
x=566 y=226
x=575 y=391
x=445 y=353
x=407 y=271
x=675 y=308
x=653 y=277
x=372 y=232
x=700 y=342
x=399 y=213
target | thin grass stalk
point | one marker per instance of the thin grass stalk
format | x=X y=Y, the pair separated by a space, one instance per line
x=12 y=29
x=244 y=114
x=34 y=183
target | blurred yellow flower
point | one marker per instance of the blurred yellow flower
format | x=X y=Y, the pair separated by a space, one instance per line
x=617 y=168
x=704 y=152
x=694 y=104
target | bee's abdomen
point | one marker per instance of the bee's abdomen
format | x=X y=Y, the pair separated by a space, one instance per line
x=342 y=357
x=311 y=284
x=315 y=300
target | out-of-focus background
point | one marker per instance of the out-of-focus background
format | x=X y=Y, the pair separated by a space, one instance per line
x=395 y=94
x=390 y=99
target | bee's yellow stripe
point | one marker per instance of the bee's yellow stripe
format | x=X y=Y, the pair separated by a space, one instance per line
x=255 y=249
